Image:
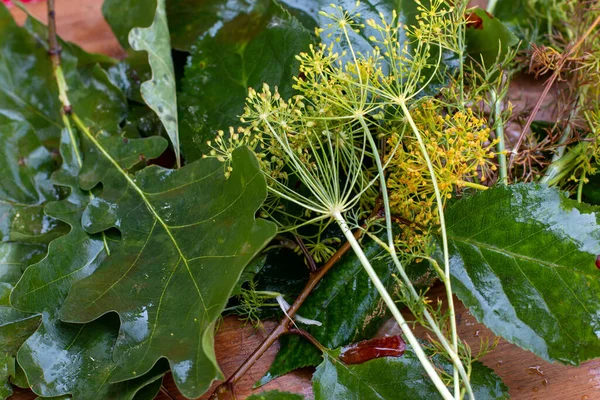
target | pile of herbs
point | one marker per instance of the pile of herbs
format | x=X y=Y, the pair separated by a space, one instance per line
x=341 y=157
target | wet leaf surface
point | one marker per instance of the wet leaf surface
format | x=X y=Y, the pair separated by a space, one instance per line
x=160 y=92
x=256 y=44
x=393 y=378
x=488 y=39
x=348 y=306
x=61 y=358
x=523 y=260
x=186 y=235
x=276 y=395
x=25 y=188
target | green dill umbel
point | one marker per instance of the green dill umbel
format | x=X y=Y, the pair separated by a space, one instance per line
x=361 y=126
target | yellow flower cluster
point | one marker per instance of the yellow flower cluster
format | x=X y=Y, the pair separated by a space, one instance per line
x=461 y=151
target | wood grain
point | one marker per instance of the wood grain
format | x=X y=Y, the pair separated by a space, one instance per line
x=78 y=21
x=527 y=376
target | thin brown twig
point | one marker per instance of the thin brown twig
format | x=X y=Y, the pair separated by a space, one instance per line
x=312 y=266
x=547 y=87
x=55 y=50
x=283 y=325
x=307 y=336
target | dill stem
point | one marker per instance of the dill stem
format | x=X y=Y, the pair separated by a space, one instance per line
x=472 y=185
x=501 y=146
x=408 y=334
x=491 y=5
x=440 y=208
x=580 y=186
x=452 y=352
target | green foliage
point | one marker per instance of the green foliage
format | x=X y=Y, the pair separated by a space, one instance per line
x=122 y=16
x=276 y=395
x=113 y=271
x=192 y=20
x=26 y=93
x=170 y=245
x=347 y=305
x=534 y=21
x=258 y=45
x=160 y=92
x=15 y=326
x=26 y=187
x=79 y=356
x=523 y=261
x=488 y=39
x=392 y=378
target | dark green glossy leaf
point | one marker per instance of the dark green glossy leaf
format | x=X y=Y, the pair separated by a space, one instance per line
x=25 y=186
x=591 y=190
x=15 y=326
x=92 y=94
x=28 y=89
x=19 y=379
x=284 y=272
x=7 y=366
x=393 y=378
x=249 y=272
x=160 y=92
x=523 y=260
x=61 y=358
x=307 y=11
x=186 y=236
x=25 y=76
x=348 y=306
x=252 y=48
x=532 y=21
x=488 y=40
x=276 y=395
x=190 y=20
x=123 y=15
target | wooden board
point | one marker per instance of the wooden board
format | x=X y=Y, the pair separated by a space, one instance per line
x=527 y=376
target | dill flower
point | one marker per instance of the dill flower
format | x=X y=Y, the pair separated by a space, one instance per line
x=460 y=149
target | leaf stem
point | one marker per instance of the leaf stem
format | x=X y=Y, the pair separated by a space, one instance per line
x=491 y=6
x=309 y=337
x=452 y=351
x=312 y=266
x=555 y=167
x=61 y=82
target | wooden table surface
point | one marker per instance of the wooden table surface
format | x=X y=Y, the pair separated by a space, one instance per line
x=527 y=376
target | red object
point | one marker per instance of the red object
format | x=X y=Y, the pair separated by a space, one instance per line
x=358 y=353
x=598 y=261
x=474 y=21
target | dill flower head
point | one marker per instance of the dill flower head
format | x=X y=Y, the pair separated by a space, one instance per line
x=460 y=149
x=318 y=149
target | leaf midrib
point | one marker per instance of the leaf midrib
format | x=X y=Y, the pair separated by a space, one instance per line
x=149 y=205
x=511 y=254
